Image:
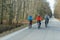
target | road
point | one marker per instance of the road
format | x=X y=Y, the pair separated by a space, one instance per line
x=52 y=32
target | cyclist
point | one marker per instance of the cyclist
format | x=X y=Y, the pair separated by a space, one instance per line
x=39 y=18
x=30 y=21
x=46 y=20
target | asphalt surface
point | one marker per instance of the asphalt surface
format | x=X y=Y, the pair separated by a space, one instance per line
x=52 y=32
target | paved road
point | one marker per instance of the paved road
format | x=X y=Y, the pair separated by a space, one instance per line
x=50 y=33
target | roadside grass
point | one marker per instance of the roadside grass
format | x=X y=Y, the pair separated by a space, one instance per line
x=7 y=29
x=6 y=32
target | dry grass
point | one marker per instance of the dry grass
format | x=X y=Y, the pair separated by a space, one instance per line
x=12 y=30
x=7 y=29
x=58 y=19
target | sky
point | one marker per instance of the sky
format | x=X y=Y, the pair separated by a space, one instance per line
x=51 y=4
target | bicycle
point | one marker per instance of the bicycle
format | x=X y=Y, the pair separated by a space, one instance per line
x=30 y=25
x=39 y=24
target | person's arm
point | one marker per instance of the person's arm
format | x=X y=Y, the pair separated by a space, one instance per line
x=41 y=18
x=45 y=17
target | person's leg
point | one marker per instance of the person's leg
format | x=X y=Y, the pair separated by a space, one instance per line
x=46 y=22
x=30 y=24
x=39 y=24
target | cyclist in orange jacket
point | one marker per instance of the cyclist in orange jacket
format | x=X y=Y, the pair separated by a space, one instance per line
x=39 y=18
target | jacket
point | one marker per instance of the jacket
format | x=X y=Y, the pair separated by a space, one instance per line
x=38 y=18
x=30 y=18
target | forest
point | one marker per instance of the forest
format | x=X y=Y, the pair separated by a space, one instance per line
x=14 y=12
x=57 y=9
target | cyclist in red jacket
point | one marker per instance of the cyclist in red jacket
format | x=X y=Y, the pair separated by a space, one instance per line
x=39 y=18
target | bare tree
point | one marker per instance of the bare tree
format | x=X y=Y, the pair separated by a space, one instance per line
x=3 y=7
x=10 y=12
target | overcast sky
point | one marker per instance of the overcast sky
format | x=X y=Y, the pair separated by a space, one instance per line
x=51 y=4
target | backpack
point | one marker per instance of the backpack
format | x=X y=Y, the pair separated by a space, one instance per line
x=39 y=18
x=47 y=18
x=30 y=18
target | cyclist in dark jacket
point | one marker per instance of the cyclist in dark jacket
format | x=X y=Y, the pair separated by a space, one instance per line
x=46 y=20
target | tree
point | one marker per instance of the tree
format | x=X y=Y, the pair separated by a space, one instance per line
x=57 y=9
x=10 y=12
x=3 y=7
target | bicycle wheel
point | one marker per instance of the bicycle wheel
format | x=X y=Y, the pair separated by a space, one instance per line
x=30 y=24
x=39 y=24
